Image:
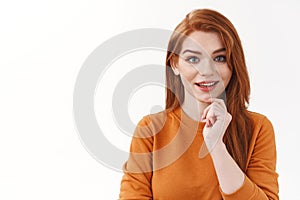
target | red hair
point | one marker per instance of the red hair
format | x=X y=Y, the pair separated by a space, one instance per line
x=239 y=132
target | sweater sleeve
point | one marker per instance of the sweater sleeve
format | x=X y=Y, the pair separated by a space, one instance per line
x=261 y=179
x=136 y=181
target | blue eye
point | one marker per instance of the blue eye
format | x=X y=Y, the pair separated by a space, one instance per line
x=220 y=59
x=193 y=59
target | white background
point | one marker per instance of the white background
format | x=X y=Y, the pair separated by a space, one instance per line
x=42 y=47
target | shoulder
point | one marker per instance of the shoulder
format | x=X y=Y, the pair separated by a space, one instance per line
x=261 y=161
x=256 y=116
x=259 y=119
x=154 y=118
x=156 y=121
x=263 y=130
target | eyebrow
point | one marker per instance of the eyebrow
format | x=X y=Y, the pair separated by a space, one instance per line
x=219 y=50
x=198 y=52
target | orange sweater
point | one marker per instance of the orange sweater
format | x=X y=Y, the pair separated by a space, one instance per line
x=168 y=166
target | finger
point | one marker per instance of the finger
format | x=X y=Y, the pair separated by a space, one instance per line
x=208 y=123
x=211 y=113
x=206 y=110
x=212 y=120
x=218 y=101
x=216 y=112
x=219 y=106
x=211 y=116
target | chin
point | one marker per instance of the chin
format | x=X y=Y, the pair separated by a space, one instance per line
x=204 y=99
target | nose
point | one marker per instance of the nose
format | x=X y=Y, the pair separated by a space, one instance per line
x=206 y=67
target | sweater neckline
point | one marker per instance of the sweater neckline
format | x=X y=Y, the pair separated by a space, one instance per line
x=186 y=120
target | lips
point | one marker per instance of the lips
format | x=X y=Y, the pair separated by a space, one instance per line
x=206 y=86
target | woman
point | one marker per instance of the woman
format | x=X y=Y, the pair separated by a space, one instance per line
x=205 y=144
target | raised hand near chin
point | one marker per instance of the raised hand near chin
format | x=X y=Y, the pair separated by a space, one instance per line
x=217 y=120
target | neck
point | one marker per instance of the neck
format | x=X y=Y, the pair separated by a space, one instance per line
x=192 y=107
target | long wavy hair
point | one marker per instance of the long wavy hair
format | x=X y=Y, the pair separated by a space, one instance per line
x=239 y=132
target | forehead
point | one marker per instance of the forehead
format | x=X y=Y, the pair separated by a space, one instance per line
x=203 y=41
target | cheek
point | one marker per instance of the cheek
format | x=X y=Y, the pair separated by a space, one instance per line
x=226 y=76
x=187 y=72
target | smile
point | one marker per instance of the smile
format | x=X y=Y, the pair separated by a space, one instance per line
x=206 y=85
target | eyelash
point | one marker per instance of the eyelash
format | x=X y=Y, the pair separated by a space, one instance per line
x=194 y=57
x=223 y=57
x=215 y=59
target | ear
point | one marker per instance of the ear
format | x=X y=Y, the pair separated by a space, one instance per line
x=174 y=67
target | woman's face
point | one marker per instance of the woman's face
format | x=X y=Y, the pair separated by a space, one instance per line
x=202 y=65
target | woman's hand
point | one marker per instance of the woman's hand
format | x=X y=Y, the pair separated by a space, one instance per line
x=217 y=120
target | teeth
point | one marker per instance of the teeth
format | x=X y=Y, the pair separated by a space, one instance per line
x=207 y=84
